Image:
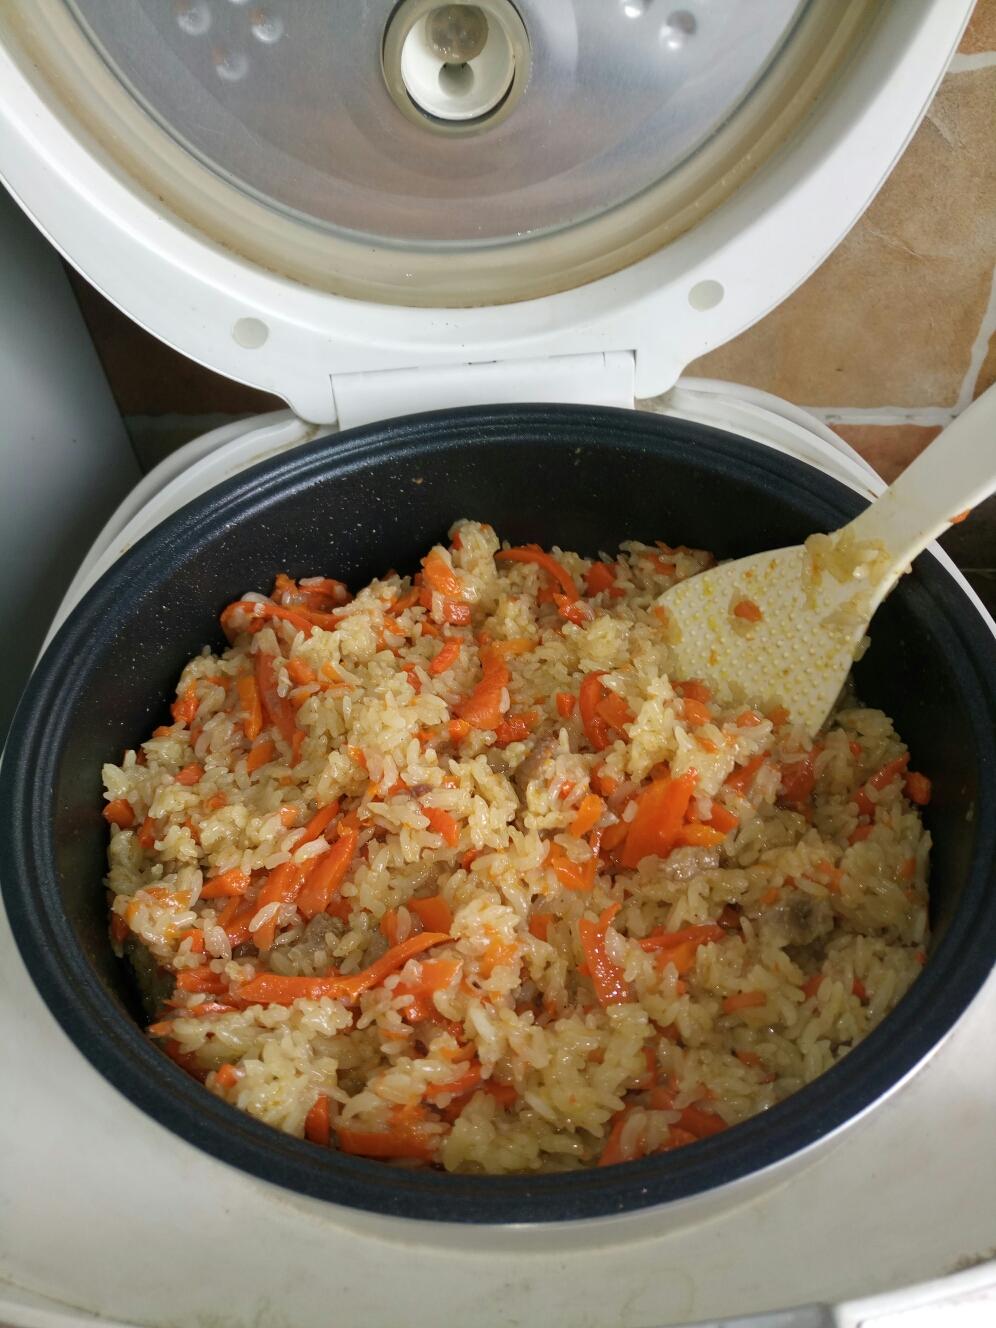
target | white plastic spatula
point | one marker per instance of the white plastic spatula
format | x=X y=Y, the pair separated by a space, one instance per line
x=783 y=627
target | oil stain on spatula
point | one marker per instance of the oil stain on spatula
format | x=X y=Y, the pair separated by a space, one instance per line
x=784 y=627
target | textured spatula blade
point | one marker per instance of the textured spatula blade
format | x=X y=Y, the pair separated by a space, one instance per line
x=797 y=654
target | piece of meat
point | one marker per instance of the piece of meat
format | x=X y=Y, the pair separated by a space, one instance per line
x=797 y=919
x=538 y=764
x=154 y=982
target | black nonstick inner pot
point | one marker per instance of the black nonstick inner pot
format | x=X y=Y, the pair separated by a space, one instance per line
x=354 y=505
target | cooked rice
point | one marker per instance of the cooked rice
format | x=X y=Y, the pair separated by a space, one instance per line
x=819 y=908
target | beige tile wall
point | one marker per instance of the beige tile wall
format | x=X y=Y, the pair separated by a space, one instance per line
x=896 y=331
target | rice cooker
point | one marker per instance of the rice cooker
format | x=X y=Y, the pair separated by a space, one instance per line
x=373 y=209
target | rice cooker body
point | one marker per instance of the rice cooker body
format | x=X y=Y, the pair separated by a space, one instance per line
x=350 y=506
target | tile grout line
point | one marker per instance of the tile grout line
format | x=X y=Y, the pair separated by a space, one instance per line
x=980 y=348
x=963 y=62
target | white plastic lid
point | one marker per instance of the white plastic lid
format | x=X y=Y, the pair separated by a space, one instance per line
x=294 y=191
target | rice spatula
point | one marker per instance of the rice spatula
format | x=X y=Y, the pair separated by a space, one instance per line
x=782 y=628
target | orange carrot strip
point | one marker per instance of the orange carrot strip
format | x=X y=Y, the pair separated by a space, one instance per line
x=532 y=553
x=722 y=819
x=442 y=823
x=565 y=704
x=698 y=834
x=918 y=788
x=184 y=708
x=741 y=779
x=434 y=912
x=226 y=884
x=317 y=1125
x=441 y=578
x=446 y=657
x=482 y=708
x=119 y=812
x=318 y=823
x=282 y=886
x=274 y=989
x=606 y=976
x=516 y=728
x=202 y=980
x=327 y=875
x=226 y=1076
x=599 y=577
x=300 y=673
x=539 y=925
x=386 y=1144
x=589 y=812
x=261 y=754
x=252 y=709
x=572 y=875
x=589 y=696
x=190 y=774
x=660 y=814
x=463 y=1083
x=277 y=710
x=744 y=1000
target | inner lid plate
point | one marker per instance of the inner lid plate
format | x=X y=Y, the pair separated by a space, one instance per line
x=631 y=119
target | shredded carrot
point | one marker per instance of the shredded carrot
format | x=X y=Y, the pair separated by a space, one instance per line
x=565 y=704
x=881 y=779
x=699 y=834
x=660 y=813
x=744 y=1000
x=589 y=813
x=778 y=716
x=614 y=710
x=274 y=989
x=516 y=728
x=679 y=947
x=469 y=858
x=407 y=1143
x=463 y=1083
x=482 y=708
x=858 y=989
x=389 y=926
x=235 y=881
x=119 y=812
x=961 y=516
x=907 y=869
x=749 y=719
x=277 y=710
x=799 y=779
x=443 y=824
x=722 y=819
x=599 y=577
x=532 y=553
x=301 y=673
x=694 y=689
x=743 y=777
x=539 y=925
x=446 y=658
x=282 y=886
x=572 y=875
x=700 y=1122
x=918 y=788
x=513 y=645
x=215 y=801
x=317 y=1125
x=695 y=712
x=318 y=824
x=606 y=976
x=119 y=928
x=612 y=1153
x=458 y=730
x=184 y=708
x=748 y=610
x=860 y=833
x=202 y=980
x=252 y=709
x=590 y=694
x=812 y=985
x=190 y=774
x=226 y=1076
x=750 y=1058
x=327 y=875
x=439 y=576
x=196 y=938
x=261 y=754
x=434 y=912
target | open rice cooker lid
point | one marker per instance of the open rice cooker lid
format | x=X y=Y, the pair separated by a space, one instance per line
x=567 y=199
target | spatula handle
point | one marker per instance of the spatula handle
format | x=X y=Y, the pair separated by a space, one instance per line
x=949 y=477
